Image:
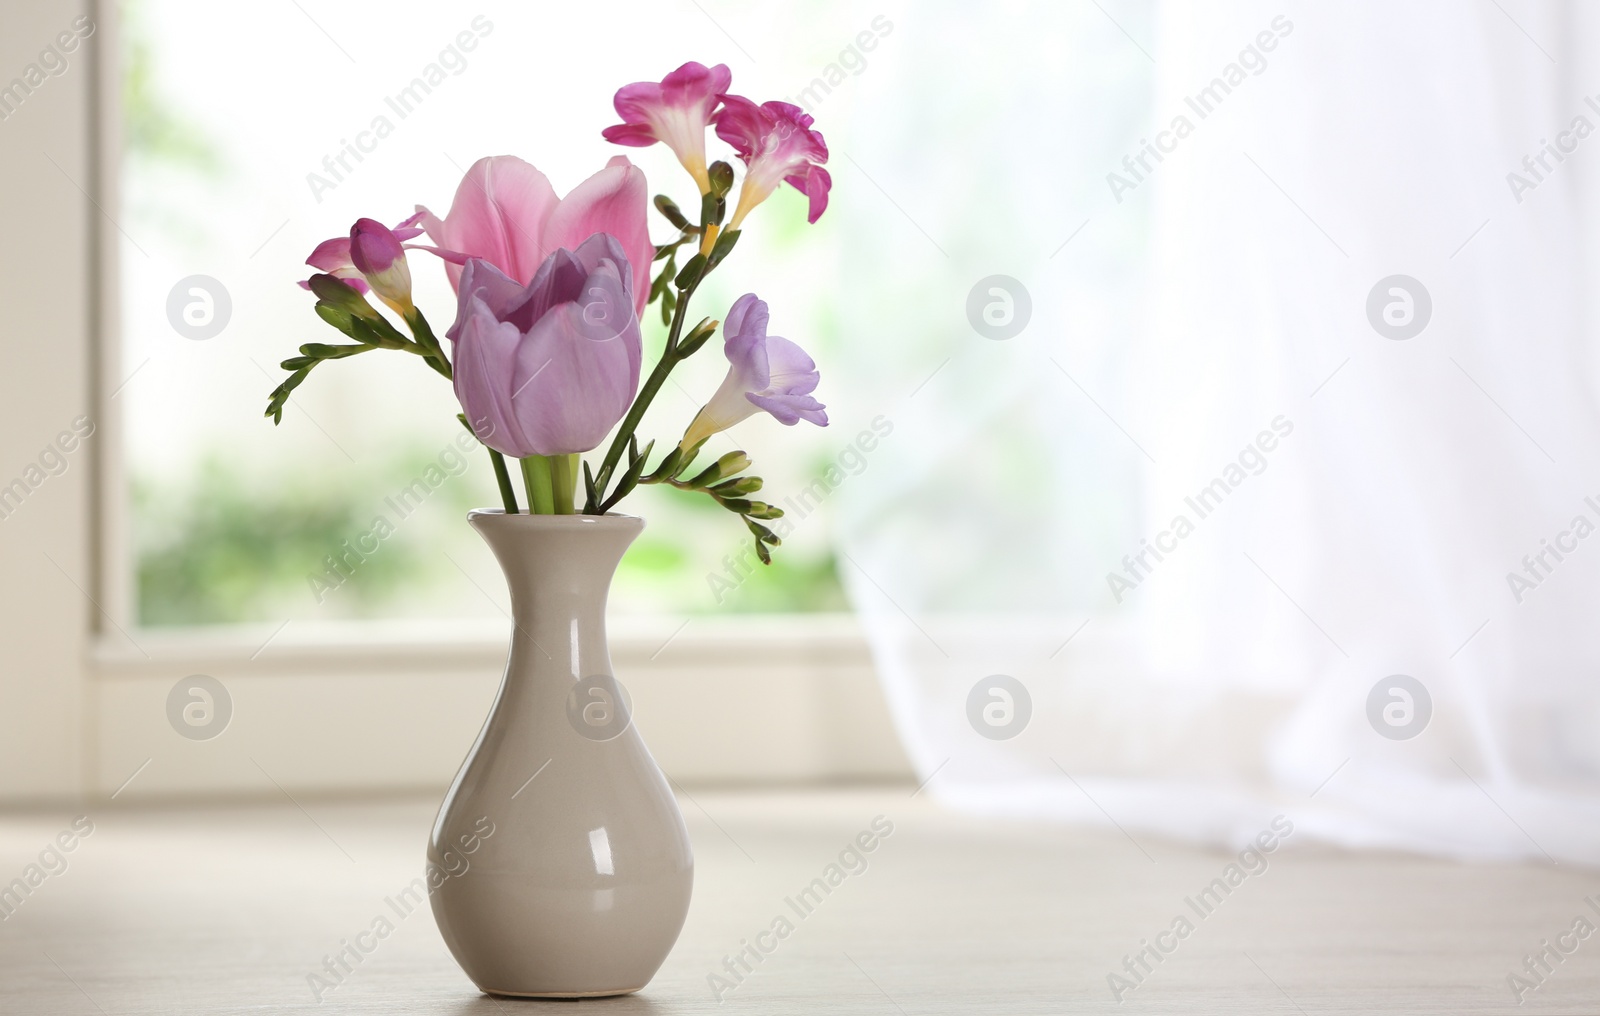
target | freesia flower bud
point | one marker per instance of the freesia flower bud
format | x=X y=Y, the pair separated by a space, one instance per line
x=377 y=254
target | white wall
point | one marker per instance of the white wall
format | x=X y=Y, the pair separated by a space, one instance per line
x=391 y=707
x=47 y=282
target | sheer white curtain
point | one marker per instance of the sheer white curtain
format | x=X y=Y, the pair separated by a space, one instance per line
x=1373 y=488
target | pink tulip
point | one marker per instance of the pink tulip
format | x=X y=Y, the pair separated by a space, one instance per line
x=674 y=112
x=777 y=144
x=506 y=213
x=548 y=368
x=764 y=373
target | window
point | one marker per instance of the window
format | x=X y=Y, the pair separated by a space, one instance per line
x=237 y=160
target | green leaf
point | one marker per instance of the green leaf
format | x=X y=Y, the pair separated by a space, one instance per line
x=590 y=492
x=630 y=478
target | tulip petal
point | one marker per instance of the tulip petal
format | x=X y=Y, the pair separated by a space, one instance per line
x=611 y=201
x=499 y=213
x=578 y=369
x=561 y=279
x=485 y=356
x=482 y=282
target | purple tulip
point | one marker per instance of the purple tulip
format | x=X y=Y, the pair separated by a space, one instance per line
x=765 y=372
x=674 y=112
x=777 y=144
x=550 y=367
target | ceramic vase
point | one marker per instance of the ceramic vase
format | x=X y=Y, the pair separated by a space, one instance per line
x=559 y=865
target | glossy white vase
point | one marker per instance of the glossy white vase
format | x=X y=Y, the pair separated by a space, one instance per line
x=559 y=865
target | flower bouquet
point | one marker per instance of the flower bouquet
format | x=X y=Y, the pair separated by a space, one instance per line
x=577 y=883
x=545 y=349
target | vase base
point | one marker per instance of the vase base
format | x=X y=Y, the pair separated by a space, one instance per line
x=607 y=993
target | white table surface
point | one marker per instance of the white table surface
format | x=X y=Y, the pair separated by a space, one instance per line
x=227 y=909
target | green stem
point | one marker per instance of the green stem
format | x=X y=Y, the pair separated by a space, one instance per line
x=564 y=482
x=658 y=377
x=541 y=495
x=429 y=343
x=507 y=493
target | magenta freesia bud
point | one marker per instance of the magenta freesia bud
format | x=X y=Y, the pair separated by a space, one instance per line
x=506 y=213
x=335 y=257
x=777 y=144
x=376 y=252
x=675 y=112
x=548 y=368
x=765 y=373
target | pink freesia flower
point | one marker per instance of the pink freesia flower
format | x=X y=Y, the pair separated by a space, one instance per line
x=776 y=142
x=764 y=373
x=548 y=368
x=674 y=112
x=506 y=213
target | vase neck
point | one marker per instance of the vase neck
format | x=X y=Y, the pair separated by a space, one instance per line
x=559 y=569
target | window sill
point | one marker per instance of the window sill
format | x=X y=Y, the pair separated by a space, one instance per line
x=386 y=706
x=818 y=639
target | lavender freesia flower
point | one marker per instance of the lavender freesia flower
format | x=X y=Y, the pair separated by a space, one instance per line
x=550 y=367
x=765 y=372
x=674 y=112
